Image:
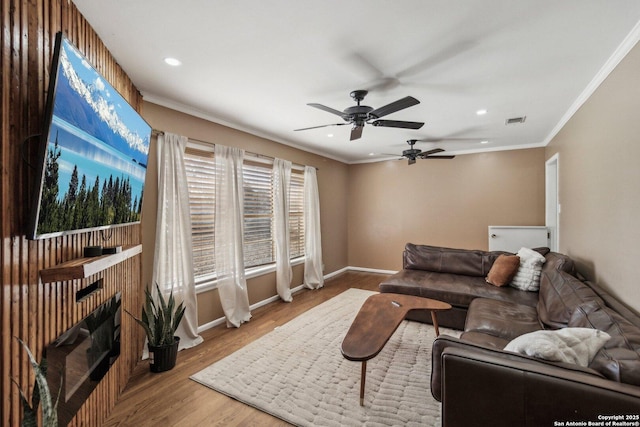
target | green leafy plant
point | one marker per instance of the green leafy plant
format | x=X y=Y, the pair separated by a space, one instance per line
x=40 y=393
x=160 y=320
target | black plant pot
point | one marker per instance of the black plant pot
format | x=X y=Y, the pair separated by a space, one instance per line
x=163 y=358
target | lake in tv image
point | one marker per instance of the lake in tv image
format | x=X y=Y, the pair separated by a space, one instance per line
x=97 y=149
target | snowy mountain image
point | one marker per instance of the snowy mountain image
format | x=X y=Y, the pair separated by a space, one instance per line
x=97 y=151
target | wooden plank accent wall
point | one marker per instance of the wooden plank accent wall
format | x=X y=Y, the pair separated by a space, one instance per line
x=36 y=312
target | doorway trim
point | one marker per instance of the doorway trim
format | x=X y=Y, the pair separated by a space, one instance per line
x=552 y=201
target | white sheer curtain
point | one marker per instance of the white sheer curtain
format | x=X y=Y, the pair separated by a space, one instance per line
x=281 y=183
x=172 y=261
x=229 y=252
x=313 y=277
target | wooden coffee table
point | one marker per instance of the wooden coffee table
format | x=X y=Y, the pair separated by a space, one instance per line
x=377 y=320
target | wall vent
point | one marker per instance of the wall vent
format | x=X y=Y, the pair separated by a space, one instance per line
x=515 y=120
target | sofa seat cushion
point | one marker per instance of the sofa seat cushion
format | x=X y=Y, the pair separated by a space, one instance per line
x=619 y=359
x=503 y=319
x=455 y=289
x=484 y=340
x=560 y=293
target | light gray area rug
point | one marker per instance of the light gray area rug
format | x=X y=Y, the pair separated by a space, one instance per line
x=297 y=372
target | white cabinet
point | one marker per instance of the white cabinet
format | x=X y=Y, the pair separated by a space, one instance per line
x=512 y=238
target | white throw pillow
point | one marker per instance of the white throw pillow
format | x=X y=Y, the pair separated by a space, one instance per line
x=571 y=345
x=528 y=276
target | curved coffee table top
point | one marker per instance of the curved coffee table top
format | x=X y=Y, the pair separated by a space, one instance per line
x=377 y=320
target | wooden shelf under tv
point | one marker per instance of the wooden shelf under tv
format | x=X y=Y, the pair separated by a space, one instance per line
x=81 y=268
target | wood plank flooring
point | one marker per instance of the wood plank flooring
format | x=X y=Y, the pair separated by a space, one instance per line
x=172 y=399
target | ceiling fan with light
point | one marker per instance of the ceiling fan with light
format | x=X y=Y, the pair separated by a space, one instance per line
x=359 y=115
x=412 y=154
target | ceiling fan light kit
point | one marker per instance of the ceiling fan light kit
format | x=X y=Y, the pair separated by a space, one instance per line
x=359 y=115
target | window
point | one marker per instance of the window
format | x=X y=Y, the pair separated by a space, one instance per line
x=259 y=245
x=258 y=214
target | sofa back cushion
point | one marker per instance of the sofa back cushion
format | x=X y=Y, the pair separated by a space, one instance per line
x=619 y=359
x=560 y=294
x=614 y=304
x=448 y=260
x=557 y=262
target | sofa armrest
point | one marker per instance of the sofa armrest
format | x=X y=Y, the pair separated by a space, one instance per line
x=445 y=342
x=484 y=388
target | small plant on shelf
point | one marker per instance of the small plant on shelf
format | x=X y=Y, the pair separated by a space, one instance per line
x=160 y=321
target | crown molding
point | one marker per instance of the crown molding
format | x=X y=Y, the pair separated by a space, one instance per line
x=187 y=109
x=618 y=55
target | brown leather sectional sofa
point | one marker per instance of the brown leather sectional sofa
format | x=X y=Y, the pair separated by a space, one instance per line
x=479 y=383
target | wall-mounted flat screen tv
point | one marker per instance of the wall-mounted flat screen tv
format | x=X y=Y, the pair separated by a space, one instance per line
x=94 y=152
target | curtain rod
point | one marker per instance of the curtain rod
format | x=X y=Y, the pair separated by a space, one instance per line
x=161 y=132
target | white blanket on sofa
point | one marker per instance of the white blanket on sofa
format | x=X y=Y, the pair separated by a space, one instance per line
x=571 y=345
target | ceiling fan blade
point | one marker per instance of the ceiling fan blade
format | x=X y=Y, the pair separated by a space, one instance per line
x=356 y=132
x=398 y=124
x=328 y=110
x=411 y=161
x=322 y=126
x=439 y=157
x=430 y=152
x=398 y=105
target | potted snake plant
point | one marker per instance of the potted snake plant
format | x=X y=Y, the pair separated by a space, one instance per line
x=41 y=394
x=160 y=320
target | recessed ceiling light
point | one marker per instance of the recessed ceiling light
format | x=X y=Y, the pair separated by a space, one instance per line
x=330 y=135
x=484 y=142
x=481 y=112
x=372 y=154
x=172 y=61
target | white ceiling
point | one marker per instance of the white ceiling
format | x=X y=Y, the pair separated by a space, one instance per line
x=255 y=64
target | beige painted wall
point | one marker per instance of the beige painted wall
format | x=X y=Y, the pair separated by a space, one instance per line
x=440 y=202
x=599 y=170
x=369 y=211
x=332 y=183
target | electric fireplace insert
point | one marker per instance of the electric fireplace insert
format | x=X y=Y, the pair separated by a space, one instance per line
x=80 y=357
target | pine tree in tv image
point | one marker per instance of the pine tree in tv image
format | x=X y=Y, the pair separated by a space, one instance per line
x=97 y=149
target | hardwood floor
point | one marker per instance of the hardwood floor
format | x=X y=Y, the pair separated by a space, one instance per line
x=172 y=399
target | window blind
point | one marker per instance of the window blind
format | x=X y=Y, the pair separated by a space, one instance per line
x=296 y=213
x=259 y=245
x=258 y=214
x=202 y=196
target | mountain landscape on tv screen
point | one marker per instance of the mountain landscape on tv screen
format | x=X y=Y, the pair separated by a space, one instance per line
x=97 y=150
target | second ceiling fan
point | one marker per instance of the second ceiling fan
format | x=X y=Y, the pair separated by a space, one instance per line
x=413 y=153
x=359 y=115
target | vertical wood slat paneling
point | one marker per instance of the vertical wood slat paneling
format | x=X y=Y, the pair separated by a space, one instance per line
x=4 y=133
x=31 y=310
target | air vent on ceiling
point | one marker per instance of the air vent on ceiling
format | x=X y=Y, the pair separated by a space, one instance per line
x=514 y=120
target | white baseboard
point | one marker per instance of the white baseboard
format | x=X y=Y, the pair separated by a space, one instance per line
x=371 y=270
x=336 y=273
x=222 y=320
